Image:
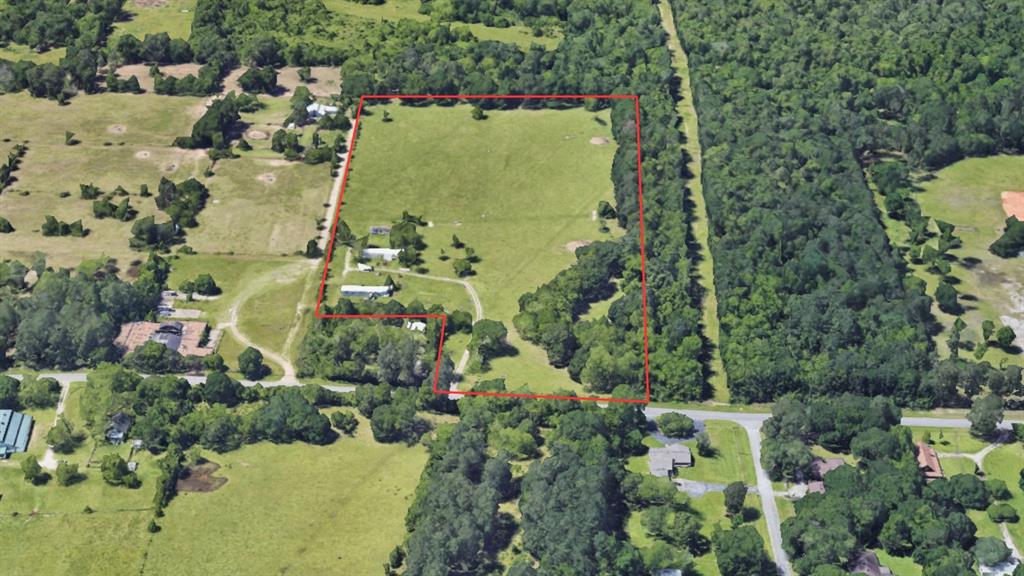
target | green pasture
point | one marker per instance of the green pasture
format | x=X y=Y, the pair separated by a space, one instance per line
x=261 y=206
x=146 y=17
x=296 y=509
x=967 y=194
x=951 y=440
x=394 y=10
x=732 y=460
x=15 y=52
x=518 y=188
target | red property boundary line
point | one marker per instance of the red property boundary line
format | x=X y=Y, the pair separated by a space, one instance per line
x=444 y=318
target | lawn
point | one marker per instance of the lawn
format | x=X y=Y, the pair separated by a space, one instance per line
x=171 y=16
x=518 y=187
x=1005 y=463
x=950 y=439
x=953 y=465
x=393 y=10
x=295 y=509
x=15 y=52
x=732 y=460
x=257 y=205
x=967 y=194
x=900 y=565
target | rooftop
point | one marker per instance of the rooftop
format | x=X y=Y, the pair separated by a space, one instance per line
x=928 y=461
x=663 y=461
x=15 y=432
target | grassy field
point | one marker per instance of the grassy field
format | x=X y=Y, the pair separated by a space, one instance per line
x=171 y=16
x=690 y=128
x=295 y=509
x=394 y=10
x=900 y=565
x=15 y=52
x=732 y=460
x=518 y=187
x=967 y=194
x=951 y=440
x=110 y=540
x=257 y=205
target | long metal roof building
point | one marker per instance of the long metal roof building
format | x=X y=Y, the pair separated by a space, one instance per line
x=15 y=431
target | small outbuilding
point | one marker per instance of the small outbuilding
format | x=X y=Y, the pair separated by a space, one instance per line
x=664 y=461
x=15 y=432
x=117 y=428
x=385 y=254
x=416 y=325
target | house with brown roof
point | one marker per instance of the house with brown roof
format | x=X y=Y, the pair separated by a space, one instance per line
x=184 y=337
x=928 y=461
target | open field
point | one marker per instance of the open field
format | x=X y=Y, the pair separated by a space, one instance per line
x=393 y=10
x=950 y=439
x=732 y=460
x=517 y=187
x=245 y=214
x=15 y=52
x=155 y=16
x=968 y=195
x=330 y=509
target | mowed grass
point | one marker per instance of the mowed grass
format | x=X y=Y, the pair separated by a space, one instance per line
x=1005 y=463
x=517 y=187
x=967 y=194
x=75 y=544
x=949 y=439
x=296 y=509
x=244 y=214
x=394 y=10
x=146 y=17
x=15 y=52
x=732 y=460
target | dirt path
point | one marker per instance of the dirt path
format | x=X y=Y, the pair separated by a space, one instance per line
x=705 y=267
x=307 y=267
x=49 y=460
x=332 y=203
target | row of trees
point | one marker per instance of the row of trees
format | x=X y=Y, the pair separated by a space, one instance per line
x=46 y=24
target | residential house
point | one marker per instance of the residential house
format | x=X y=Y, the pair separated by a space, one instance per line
x=385 y=254
x=663 y=461
x=319 y=110
x=117 y=428
x=184 y=337
x=15 y=432
x=819 y=468
x=867 y=563
x=367 y=292
x=928 y=461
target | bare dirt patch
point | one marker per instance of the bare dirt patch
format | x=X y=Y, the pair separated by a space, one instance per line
x=201 y=478
x=256 y=135
x=267 y=178
x=600 y=141
x=169 y=167
x=1013 y=204
x=577 y=244
x=150 y=3
x=142 y=155
x=117 y=129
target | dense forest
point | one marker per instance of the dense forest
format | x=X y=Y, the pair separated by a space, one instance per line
x=792 y=98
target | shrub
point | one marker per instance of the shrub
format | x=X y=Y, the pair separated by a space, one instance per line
x=676 y=425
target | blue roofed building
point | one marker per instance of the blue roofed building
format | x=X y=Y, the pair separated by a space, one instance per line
x=15 y=432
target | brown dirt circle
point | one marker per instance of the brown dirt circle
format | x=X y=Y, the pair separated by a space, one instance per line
x=256 y=135
x=142 y=154
x=1013 y=204
x=599 y=141
x=117 y=129
x=268 y=178
x=201 y=478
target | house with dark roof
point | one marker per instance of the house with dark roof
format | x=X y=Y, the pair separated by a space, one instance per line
x=664 y=461
x=819 y=468
x=867 y=563
x=117 y=428
x=15 y=432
